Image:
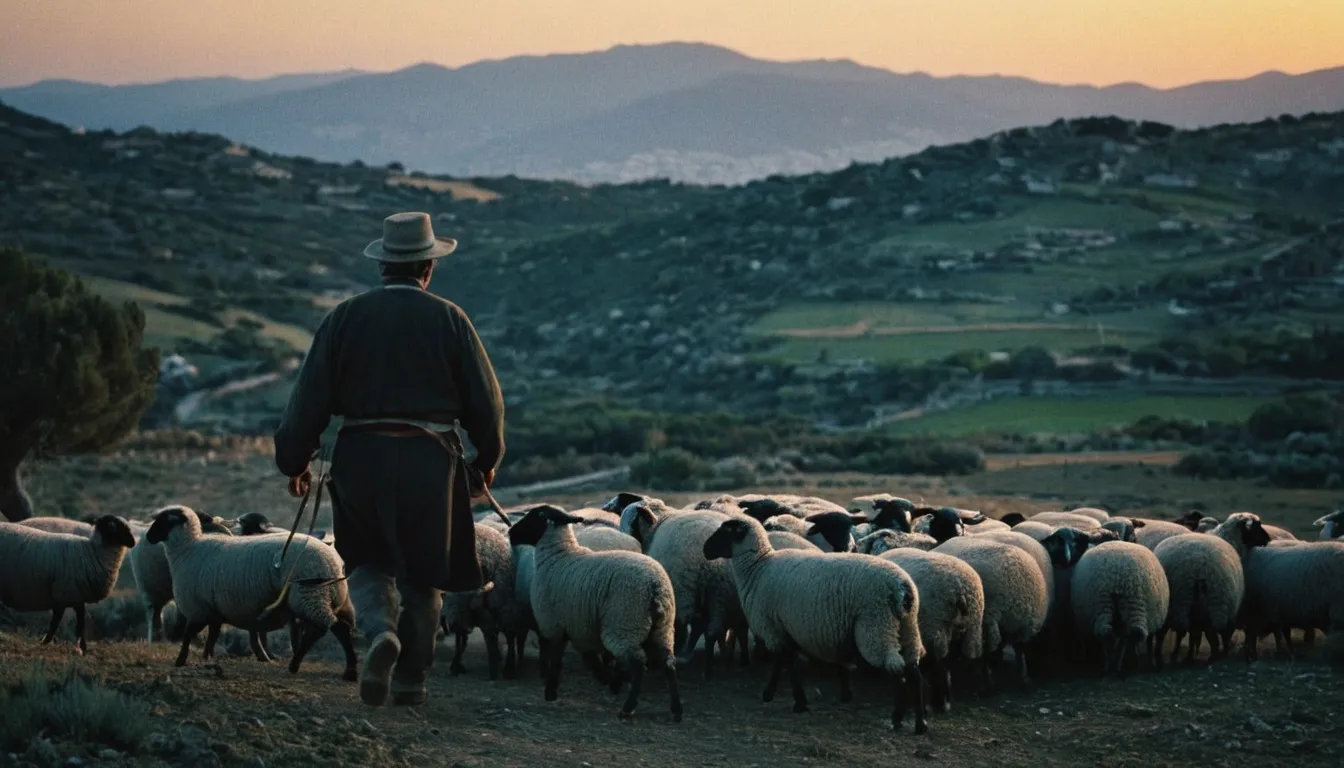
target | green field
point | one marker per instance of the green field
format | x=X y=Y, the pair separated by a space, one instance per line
x=1052 y=213
x=1073 y=415
x=163 y=328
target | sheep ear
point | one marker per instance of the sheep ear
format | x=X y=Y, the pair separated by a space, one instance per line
x=978 y=519
x=811 y=530
x=1137 y=523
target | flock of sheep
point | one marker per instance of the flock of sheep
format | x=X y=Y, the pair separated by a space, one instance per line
x=883 y=583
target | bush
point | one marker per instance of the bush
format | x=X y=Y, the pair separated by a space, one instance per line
x=73 y=706
x=1295 y=413
x=671 y=469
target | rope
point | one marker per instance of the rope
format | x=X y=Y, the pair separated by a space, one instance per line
x=312 y=525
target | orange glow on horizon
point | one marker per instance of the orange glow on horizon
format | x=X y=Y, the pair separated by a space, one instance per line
x=1160 y=42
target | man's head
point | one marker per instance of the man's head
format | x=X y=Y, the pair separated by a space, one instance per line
x=418 y=271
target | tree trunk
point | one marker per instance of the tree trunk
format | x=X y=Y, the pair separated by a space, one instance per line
x=14 y=502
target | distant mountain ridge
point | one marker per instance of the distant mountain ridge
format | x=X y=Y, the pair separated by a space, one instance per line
x=690 y=112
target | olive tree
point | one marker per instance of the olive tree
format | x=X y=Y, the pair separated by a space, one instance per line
x=73 y=376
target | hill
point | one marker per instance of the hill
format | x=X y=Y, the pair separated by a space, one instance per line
x=688 y=112
x=1096 y=259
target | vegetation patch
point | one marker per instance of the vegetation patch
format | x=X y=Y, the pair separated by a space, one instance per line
x=70 y=704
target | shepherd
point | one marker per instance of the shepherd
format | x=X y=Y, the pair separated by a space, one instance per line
x=405 y=369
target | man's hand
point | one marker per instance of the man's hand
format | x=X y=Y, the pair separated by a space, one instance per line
x=299 y=484
x=480 y=480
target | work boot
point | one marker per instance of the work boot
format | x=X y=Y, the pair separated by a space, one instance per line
x=411 y=697
x=376 y=677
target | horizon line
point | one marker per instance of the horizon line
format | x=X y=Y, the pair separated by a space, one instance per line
x=358 y=72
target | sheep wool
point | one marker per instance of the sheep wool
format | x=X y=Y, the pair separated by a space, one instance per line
x=154 y=579
x=617 y=601
x=1082 y=522
x=42 y=571
x=1205 y=580
x=1038 y=555
x=59 y=525
x=951 y=612
x=493 y=607
x=1100 y=515
x=1016 y=601
x=886 y=540
x=786 y=540
x=1154 y=532
x=233 y=580
x=1119 y=595
x=828 y=606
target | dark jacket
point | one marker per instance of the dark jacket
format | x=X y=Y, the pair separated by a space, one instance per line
x=400 y=503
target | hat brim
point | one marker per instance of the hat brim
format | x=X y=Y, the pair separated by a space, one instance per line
x=442 y=247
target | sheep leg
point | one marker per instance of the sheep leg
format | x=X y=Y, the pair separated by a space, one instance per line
x=772 y=684
x=254 y=639
x=557 y=652
x=688 y=650
x=1227 y=642
x=295 y=636
x=1287 y=633
x=1309 y=637
x=710 y=641
x=511 y=653
x=82 y=636
x=57 y=614
x=796 y=681
x=1158 y=644
x=343 y=636
x=1128 y=656
x=743 y=658
x=673 y=689
x=1212 y=637
x=193 y=629
x=311 y=634
x=634 y=666
x=459 y=648
x=1020 y=658
x=911 y=688
x=211 y=637
x=1176 y=647
x=153 y=622
x=846 y=693
x=492 y=652
x=1196 y=639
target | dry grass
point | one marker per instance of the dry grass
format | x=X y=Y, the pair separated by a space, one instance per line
x=460 y=190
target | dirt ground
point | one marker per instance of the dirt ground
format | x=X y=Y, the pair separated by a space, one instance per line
x=237 y=711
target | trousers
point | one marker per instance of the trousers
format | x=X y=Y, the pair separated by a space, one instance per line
x=384 y=603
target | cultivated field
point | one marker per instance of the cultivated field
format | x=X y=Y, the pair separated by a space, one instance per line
x=236 y=711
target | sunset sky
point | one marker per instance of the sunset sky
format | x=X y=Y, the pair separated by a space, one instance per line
x=1160 y=42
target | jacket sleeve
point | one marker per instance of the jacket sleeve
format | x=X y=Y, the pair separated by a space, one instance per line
x=310 y=405
x=482 y=402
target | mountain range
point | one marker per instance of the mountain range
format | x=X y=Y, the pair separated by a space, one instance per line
x=688 y=112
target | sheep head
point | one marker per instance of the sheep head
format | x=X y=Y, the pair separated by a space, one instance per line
x=895 y=514
x=835 y=528
x=729 y=537
x=113 y=532
x=539 y=519
x=170 y=518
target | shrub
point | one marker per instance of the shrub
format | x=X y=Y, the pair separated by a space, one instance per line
x=671 y=469
x=1295 y=413
x=73 y=706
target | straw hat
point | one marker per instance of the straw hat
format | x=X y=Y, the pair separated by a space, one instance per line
x=409 y=237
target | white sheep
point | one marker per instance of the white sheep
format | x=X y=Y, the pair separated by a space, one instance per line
x=1016 y=601
x=619 y=602
x=884 y=511
x=60 y=525
x=947 y=522
x=41 y=571
x=154 y=579
x=1204 y=576
x=886 y=539
x=1100 y=515
x=1331 y=525
x=1154 y=532
x=951 y=613
x=1119 y=595
x=492 y=606
x=1082 y=522
x=706 y=600
x=235 y=580
x=786 y=540
x=1289 y=584
x=828 y=606
x=598 y=516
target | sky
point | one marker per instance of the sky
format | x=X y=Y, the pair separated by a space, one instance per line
x=1159 y=42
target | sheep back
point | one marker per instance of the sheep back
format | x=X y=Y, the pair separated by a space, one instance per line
x=1205 y=580
x=951 y=601
x=1016 y=601
x=1119 y=590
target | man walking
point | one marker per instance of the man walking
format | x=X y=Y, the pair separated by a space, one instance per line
x=401 y=366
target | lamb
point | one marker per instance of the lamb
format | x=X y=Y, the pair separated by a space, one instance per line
x=786 y=540
x=946 y=522
x=1206 y=583
x=1071 y=519
x=706 y=600
x=1288 y=583
x=492 y=607
x=1100 y=515
x=829 y=607
x=885 y=540
x=1332 y=525
x=42 y=571
x=620 y=602
x=60 y=525
x=235 y=580
x=951 y=613
x=1016 y=601
x=1154 y=532
x=1119 y=594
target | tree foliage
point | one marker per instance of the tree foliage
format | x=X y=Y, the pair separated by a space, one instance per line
x=76 y=378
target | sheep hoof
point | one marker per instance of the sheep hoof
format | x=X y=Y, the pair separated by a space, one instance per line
x=350 y=675
x=921 y=728
x=552 y=695
x=624 y=715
